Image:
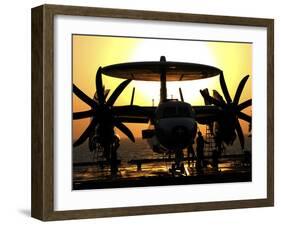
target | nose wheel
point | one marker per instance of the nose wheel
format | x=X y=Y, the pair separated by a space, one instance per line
x=178 y=171
x=178 y=168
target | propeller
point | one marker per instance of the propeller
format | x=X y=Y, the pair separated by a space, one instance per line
x=103 y=118
x=228 y=122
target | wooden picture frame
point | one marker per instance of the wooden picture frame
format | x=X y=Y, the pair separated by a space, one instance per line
x=43 y=108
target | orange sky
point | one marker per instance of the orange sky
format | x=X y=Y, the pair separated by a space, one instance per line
x=90 y=52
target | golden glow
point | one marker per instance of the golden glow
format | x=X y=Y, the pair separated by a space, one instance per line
x=90 y=52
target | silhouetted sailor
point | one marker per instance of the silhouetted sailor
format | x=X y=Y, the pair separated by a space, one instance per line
x=200 y=150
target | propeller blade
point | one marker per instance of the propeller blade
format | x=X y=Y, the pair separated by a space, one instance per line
x=250 y=127
x=117 y=92
x=244 y=105
x=83 y=114
x=99 y=87
x=245 y=117
x=124 y=129
x=105 y=92
x=240 y=89
x=218 y=97
x=209 y=99
x=240 y=134
x=84 y=97
x=224 y=88
x=181 y=95
x=85 y=134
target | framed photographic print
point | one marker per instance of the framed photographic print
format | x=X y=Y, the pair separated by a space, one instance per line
x=141 y=112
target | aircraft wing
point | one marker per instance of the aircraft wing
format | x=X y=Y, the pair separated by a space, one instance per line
x=206 y=114
x=134 y=113
x=138 y=114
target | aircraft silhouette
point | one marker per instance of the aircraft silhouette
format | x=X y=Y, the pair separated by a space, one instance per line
x=172 y=124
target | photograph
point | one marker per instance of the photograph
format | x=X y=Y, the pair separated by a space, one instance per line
x=160 y=111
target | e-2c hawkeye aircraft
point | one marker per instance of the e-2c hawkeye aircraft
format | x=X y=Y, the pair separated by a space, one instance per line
x=172 y=125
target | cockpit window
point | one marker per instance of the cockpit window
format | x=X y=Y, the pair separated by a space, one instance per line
x=178 y=111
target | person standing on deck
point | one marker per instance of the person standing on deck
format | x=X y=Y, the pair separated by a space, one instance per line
x=200 y=151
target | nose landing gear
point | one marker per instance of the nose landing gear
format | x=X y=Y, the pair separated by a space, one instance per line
x=178 y=168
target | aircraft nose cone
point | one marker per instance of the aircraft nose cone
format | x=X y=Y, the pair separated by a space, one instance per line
x=180 y=132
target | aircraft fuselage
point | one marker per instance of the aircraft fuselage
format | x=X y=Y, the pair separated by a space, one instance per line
x=174 y=127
